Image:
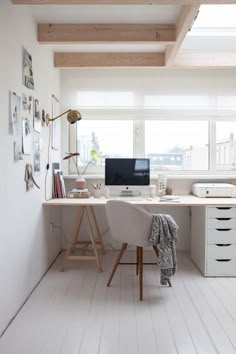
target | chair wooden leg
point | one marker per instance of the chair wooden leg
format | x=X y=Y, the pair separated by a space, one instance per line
x=137 y=259
x=122 y=250
x=169 y=283
x=140 y=273
x=156 y=250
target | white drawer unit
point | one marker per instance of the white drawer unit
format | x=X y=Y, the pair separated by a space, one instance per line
x=221 y=236
x=213 y=240
x=221 y=223
x=221 y=267
x=221 y=251
x=221 y=212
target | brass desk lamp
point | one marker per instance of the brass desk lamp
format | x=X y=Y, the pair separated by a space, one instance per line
x=72 y=116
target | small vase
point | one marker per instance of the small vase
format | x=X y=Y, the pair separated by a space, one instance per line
x=80 y=183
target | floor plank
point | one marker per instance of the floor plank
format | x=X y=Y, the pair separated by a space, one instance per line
x=74 y=312
x=192 y=278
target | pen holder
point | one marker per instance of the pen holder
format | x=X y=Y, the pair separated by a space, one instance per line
x=97 y=193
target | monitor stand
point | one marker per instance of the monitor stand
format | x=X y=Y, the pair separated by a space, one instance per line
x=129 y=193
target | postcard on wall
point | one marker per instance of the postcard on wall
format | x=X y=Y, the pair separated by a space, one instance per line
x=36 y=157
x=28 y=79
x=26 y=136
x=31 y=108
x=15 y=124
x=14 y=114
x=37 y=116
x=25 y=104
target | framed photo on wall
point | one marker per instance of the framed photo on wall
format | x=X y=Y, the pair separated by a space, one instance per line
x=37 y=116
x=56 y=123
x=28 y=78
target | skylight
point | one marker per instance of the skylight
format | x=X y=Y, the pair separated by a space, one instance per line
x=219 y=19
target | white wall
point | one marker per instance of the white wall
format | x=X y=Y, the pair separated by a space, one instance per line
x=26 y=249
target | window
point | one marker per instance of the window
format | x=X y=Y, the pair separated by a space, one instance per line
x=200 y=146
x=112 y=138
x=226 y=146
x=177 y=145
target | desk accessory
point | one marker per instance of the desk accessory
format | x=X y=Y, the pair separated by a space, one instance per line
x=106 y=192
x=161 y=185
x=151 y=191
x=80 y=181
x=170 y=198
x=78 y=193
x=96 y=189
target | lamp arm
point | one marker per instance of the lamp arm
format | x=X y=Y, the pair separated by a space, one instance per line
x=52 y=119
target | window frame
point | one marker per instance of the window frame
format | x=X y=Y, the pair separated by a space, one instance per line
x=139 y=138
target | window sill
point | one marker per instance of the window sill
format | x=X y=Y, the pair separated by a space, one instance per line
x=169 y=176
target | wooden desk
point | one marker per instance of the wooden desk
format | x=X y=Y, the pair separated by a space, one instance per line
x=86 y=211
x=185 y=200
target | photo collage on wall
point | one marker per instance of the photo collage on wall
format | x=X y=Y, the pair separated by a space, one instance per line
x=26 y=117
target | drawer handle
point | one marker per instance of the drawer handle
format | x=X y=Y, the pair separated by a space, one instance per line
x=223 y=260
x=223 y=208
x=223 y=244
x=223 y=229
x=223 y=218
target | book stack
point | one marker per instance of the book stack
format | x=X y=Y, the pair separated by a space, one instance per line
x=78 y=193
x=59 y=190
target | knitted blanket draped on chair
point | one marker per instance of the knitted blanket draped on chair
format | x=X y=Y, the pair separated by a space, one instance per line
x=164 y=233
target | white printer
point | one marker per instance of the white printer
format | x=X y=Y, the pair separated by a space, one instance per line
x=212 y=190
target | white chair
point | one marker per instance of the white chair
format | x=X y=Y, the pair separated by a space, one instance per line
x=130 y=225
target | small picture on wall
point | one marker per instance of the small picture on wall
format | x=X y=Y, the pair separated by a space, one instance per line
x=25 y=105
x=14 y=114
x=28 y=79
x=43 y=120
x=37 y=116
x=27 y=136
x=31 y=108
x=36 y=157
x=15 y=124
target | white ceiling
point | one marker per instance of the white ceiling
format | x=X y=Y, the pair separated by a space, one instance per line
x=100 y=14
x=105 y=13
x=203 y=37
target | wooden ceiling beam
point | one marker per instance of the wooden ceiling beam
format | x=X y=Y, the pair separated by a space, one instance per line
x=192 y=59
x=106 y=33
x=76 y=60
x=121 y=2
x=185 y=20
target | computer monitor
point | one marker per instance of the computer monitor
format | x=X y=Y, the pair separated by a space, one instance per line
x=127 y=172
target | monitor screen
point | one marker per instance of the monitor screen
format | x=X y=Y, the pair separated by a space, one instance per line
x=127 y=172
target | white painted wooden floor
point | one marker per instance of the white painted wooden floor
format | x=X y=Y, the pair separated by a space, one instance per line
x=75 y=313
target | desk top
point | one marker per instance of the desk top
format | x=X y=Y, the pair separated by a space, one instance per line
x=185 y=200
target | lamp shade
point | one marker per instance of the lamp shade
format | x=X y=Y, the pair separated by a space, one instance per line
x=73 y=116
